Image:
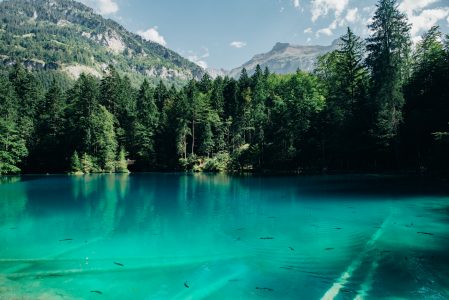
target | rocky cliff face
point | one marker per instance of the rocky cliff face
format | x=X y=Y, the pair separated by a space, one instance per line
x=69 y=36
x=285 y=58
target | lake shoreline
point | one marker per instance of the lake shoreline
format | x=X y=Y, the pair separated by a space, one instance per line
x=414 y=174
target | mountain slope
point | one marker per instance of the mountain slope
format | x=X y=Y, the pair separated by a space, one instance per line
x=69 y=36
x=285 y=58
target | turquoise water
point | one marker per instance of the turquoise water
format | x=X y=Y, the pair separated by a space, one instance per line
x=181 y=236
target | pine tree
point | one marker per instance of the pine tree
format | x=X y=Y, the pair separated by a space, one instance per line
x=342 y=124
x=426 y=109
x=105 y=142
x=83 y=103
x=50 y=126
x=29 y=93
x=388 y=52
x=12 y=142
x=122 y=164
x=145 y=126
x=88 y=165
x=117 y=95
x=75 y=164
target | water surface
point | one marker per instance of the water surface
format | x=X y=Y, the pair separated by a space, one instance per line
x=185 y=236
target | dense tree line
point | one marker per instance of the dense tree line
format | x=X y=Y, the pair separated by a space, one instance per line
x=375 y=104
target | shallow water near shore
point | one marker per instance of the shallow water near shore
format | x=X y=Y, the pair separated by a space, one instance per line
x=199 y=236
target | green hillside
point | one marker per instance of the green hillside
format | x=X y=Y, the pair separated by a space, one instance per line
x=68 y=36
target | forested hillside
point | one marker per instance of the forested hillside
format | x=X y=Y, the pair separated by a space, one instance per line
x=68 y=37
x=371 y=105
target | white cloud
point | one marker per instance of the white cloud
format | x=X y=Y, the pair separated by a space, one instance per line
x=107 y=7
x=330 y=29
x=422 y=19
x=199 y=59
x=153 y=35
x=321 y=8
x=237 y=44
x=104 y=7
x=412 y=6
x=296 y=3
x=326 y=31
x=308 y=30
x=426 y=19
x=352 y=15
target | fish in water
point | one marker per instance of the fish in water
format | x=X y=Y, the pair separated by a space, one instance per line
x=119 y=264
x=328 y=249
x=267 y=238
x=425 y=233
x=291 y=248
x=186 y=285
x=66 y=240
x=264 y=289
x=97 y=292
x=338 y=228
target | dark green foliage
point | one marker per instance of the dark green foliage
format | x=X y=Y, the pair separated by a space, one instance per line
x=122 y=163
x=343 y=125
x=30 y=95
x=427 y=107
x=351 y=114
x=12 y=141
x=145 y=126
x=75 y=164
x=50 y=123
x=388 y=52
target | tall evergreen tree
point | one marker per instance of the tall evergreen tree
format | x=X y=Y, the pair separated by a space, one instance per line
x=12 y=142
x=105 y=144
x=342 y=125
x=426 y=109
x=30 y=94
x=50 y=126
x=388 y=51
x=145 y=126
x=83 y=103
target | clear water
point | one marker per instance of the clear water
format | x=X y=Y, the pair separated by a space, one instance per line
x=180 y=236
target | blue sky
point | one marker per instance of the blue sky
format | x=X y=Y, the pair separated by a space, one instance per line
x=225 y=34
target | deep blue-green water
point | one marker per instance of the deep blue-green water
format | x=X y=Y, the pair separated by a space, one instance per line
x=185 y=236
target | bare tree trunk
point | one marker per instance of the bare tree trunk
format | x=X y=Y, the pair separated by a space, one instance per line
x=193 y=136
x=185 y=145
